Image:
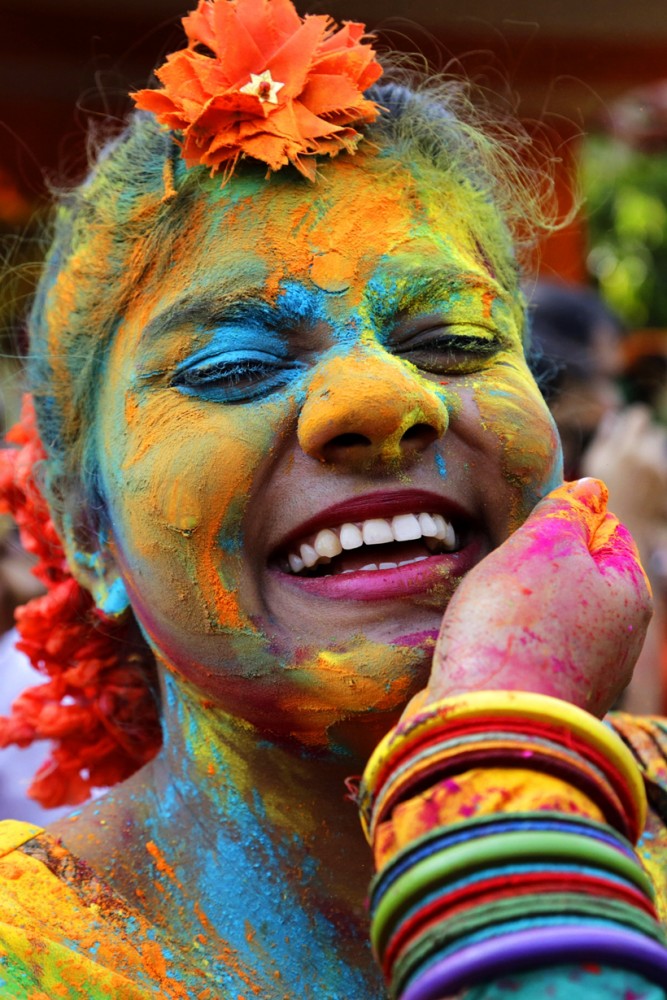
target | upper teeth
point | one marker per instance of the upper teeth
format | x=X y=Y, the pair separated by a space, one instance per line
x=330 y=542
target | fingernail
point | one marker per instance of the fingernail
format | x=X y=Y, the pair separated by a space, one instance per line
x=592 y=492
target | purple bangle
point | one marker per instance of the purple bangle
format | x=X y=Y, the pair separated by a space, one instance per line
x=533 y=949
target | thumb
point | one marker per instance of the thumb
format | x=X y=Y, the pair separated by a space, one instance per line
x=578 y=508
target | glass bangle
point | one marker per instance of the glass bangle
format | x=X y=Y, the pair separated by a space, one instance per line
x=533 y=949
x=439 y=868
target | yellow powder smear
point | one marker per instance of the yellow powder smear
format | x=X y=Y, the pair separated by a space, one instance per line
x=335 y=684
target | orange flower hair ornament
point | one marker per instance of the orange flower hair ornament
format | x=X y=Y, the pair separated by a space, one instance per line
x=260 y=81
x=96 y=704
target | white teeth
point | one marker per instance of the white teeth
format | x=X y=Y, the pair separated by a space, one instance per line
x=438 y=535
x=351 y=537
x=440 y=526
x=308 y=555
x=377 y=531
x=427 y=525
x=408 y=562
x=406 y=528
x=296 y=564
x=327 y=543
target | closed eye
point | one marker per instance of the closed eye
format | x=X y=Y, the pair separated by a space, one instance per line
x=443 y=352
x=234 y=380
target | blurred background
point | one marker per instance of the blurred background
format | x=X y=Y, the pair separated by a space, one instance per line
x=589 y=78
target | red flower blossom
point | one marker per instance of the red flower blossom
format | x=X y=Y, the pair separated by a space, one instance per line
x=96 y=705
x=270 y=85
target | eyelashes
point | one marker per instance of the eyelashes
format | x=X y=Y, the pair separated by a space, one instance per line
x=450 y=353
x=235 y=380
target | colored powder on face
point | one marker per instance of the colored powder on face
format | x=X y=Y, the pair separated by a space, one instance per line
x=184 y=472
x=511 y=408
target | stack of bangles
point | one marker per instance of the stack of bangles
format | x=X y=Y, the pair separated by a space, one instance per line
x=503 y=827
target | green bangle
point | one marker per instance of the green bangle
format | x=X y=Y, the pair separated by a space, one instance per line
x=442 y=838
x=441 y=867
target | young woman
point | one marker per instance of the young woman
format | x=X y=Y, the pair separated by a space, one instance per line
x=283 y=417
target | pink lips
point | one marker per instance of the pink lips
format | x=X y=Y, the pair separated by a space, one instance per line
x=387 y=584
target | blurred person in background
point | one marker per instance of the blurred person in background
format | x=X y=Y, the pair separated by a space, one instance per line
x=577 y=357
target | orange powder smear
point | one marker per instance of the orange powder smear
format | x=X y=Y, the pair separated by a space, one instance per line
x=332 y=271
x=247 y=976
x=161 y=864
x=361 y=389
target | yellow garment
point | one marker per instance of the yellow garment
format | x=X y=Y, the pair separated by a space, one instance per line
x=61 y=943
x=647 y=738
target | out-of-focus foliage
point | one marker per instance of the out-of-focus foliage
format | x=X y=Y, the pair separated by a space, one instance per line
x=626 y=202
x=624 y=179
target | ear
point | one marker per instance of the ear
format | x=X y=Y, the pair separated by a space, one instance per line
x=92 y=564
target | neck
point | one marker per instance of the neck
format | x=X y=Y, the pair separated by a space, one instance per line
x=251 y=839
x=235 y=782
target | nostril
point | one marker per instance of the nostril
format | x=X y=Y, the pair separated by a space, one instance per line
x=420 y=436
x=346 y=448
x=349 y=441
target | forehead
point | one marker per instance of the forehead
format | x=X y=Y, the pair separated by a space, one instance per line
x=365 y=216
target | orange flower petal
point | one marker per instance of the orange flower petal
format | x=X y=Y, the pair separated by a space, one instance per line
x=323 y=70
x=293 y=61
x=238 y=47
x=325 y=94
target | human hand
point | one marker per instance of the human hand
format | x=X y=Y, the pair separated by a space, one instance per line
x=560 y=608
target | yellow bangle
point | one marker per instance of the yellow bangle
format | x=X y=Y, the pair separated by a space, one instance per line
x=515 y=704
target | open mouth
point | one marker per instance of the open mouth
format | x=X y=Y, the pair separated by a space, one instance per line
x=371 y=545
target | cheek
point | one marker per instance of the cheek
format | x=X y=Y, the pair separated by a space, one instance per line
x=511 y=407
x=178 y=475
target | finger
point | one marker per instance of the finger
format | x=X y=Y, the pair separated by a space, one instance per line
x=573 y=511
x=614 y=551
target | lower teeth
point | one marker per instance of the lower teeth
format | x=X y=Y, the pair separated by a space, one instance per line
x=374 y=567
x=434 y=546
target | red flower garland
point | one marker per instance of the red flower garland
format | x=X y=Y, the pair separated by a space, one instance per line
x=97 y=706
x=271 y=85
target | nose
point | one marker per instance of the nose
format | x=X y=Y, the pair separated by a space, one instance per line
x=367 y=407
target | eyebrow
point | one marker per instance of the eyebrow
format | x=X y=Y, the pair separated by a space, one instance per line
x=442 y=282
x=216 y=306
x=445 y=279
x=207 y=308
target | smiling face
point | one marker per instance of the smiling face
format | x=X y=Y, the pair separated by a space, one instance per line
x=314 y=374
